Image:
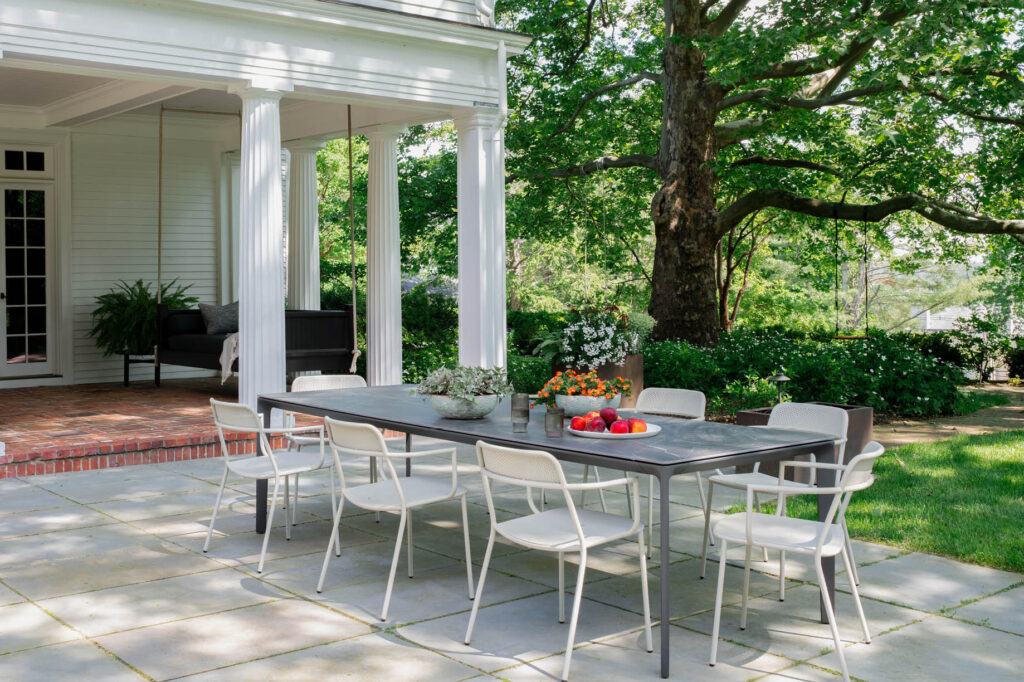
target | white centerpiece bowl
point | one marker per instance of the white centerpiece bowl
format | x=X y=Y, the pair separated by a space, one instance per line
x=477 y=407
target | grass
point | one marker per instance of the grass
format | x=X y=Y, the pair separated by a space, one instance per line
x=962 y=498
x=972 y=401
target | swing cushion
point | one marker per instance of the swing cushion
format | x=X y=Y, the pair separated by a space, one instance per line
x=220 y=319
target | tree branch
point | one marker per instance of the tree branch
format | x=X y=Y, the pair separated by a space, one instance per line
x=759 y=160
x=945 y=99
x=801 y=103
x=617 y=85
x=721 y=23
x=584 y=169
x=872 y=213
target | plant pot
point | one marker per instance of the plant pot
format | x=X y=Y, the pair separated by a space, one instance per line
x=476 y=407
x=578 y=405
x=631 y=368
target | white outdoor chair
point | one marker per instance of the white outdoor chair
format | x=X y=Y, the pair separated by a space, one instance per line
x=561 y=530
x=823 y=419
x=274 y=464
x=671 y=402
x=323 y=382
x=392 y=494
x=826 y=538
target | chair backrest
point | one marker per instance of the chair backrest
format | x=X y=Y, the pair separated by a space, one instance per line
x=825 y=419
x=238 y=417
x=676 y=402
x=327 y=382
x=859 y=470
x=359 y=440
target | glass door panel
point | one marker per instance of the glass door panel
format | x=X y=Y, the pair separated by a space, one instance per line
x=24 y=300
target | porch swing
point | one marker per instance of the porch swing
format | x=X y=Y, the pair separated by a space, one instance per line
x=864 y=266
x=311 y=336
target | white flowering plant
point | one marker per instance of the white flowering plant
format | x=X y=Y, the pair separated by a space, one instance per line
x=596 y=338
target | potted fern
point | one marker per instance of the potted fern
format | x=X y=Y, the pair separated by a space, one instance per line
x=125 y=318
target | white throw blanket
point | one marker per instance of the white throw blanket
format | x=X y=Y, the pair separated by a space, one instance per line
x=228 y=355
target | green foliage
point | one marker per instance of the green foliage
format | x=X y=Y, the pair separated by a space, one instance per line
x=749 y=393
x=430 y=322
x=527 y=329
x=1015 y=358
x=527 y=373
x=941 y=345
x=971 y=401
x=882 y=372
x=125 y=318
x=465 y=382
x=982 y=343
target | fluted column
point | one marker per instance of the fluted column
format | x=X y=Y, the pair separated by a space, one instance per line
x=383 y=262
x=481 y=208
x=303 y=227
x=261 y=361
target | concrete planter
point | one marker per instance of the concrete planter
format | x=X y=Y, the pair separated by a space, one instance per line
x=477 y=407
x=859 y=433
x=578 y=405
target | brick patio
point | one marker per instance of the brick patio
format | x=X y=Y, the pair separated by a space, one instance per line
x=55 y=429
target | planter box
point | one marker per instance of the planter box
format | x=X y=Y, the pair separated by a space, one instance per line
x=859 y=433
x=632 y=368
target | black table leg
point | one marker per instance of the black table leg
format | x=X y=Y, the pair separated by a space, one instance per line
x=261 y=485
x=826 y=478
x=664 y=558
x=408 y=461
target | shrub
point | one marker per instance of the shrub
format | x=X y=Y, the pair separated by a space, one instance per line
x=744 y=394
x=527 y=328
x=526 y=373
x=884 y=372
x=982 y=344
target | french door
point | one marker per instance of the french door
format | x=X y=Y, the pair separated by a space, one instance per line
x=26 y=338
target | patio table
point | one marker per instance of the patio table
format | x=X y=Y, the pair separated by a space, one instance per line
x=683 y=446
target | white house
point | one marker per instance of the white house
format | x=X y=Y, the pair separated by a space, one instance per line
x=83 y=87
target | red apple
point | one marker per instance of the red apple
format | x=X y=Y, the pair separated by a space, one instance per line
x=596 y=425
x=637 y=425
x=578 y=424
x=609 y=415
x=590 y=415
x=619 y=426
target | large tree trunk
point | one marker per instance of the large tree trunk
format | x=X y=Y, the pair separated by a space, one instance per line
x=684 y=297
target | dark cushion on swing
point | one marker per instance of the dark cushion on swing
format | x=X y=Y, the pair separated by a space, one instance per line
x=220 y=319
x=212 y=344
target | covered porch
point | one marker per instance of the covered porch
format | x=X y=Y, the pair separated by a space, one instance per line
x=145 y=141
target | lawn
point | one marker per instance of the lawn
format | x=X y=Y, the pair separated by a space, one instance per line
x=972 y=401
x=962 y=498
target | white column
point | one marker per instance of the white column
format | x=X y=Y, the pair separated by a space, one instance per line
x=383 y=262
x=303 y=228
x=261 y=361
x=481 y=208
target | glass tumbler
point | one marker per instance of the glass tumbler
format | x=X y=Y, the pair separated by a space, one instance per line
x=520 y=412
x=554 y=422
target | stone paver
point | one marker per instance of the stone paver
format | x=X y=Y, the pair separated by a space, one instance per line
x=931 y=583
x=117 y=588
x=1004 y=611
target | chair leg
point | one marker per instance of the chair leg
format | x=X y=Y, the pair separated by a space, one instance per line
x=629 y=496
x=746 y=589
x=334 y=504
x=718 y=602
x=295 y=504
x=782 y=575
x=700 y=489
x=334 y=542
x=394 y=566
x=287 y=518
x=830 y=612
x=480 y=586
x=650 y=513
x=643 y=587
x=216 y=506
x=270 y=523
x=583 y=493
x=848 y=560
x=575 y=617
x=707 y=531
x=408 y=539
x=469 y=555
x=851 y=566
x=561 y=587
x=764 y=550
x=600 y=491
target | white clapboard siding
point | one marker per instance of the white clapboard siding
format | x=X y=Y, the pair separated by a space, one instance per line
x=450 y=10
x=114 y=229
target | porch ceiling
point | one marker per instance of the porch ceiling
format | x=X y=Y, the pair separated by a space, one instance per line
x=43 y=98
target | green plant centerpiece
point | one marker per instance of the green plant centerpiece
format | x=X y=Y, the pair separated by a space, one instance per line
x=594 y=338
x=465 y=392
x=125 y=318
x=579 y=394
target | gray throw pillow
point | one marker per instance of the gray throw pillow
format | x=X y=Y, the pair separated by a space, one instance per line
x=220 y=319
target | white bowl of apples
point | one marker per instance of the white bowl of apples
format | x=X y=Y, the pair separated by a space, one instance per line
x=610 y=425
